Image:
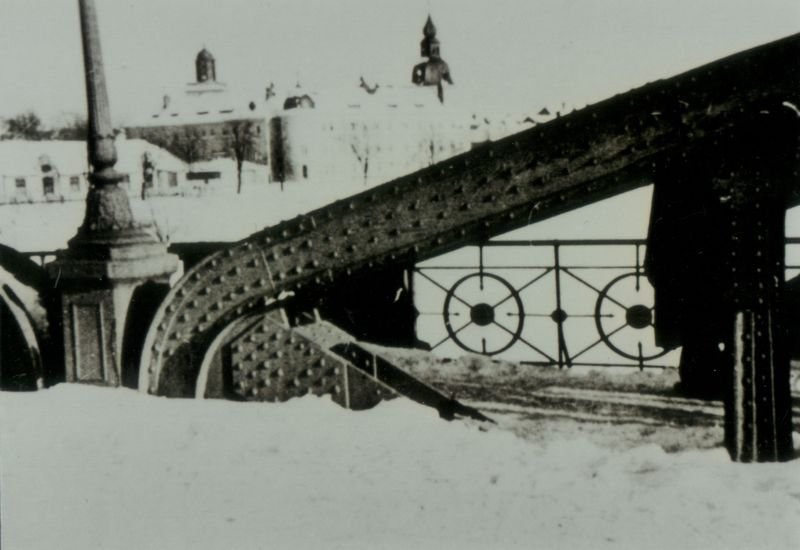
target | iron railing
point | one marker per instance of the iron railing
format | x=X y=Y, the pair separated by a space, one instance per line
x=546 y=302
x=580 y=302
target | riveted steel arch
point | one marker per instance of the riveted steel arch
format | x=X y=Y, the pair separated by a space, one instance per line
x=602 y=150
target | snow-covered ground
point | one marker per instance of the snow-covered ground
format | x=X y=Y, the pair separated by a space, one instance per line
x=86 y=467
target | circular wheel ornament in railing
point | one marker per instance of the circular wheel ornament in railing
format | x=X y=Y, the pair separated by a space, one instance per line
x=483 y=314
x=631 y=297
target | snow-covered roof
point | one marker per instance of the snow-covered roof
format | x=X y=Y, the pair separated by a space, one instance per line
x=24 y=158
x=209 y=102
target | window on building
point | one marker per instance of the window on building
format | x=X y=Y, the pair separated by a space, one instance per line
x=74 y=184
x=49 y=185
x=19 y=183
x=305 y=171
x=172 y=179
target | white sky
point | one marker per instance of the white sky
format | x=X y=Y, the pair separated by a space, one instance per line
x=520 y=53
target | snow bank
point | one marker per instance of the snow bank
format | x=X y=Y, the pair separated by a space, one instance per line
x=86 y=467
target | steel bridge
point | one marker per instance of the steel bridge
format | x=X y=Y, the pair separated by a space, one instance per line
x=719 y=142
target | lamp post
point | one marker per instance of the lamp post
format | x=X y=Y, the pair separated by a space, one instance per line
x=111 y=254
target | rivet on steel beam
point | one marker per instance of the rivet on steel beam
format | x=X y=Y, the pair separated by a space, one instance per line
x=285 y=233
x=229 y=252
x=214 y=262
x=220 y=279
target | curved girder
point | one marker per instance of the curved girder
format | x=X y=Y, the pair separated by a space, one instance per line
x=599 y=151
x=27 y=356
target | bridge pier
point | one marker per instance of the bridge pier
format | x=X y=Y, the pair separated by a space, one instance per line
x=758 y=424
x=111 y=254
x=716 y=259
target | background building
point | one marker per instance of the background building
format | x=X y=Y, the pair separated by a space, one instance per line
x=361 y=135
x=206 y=120
x=55 y=171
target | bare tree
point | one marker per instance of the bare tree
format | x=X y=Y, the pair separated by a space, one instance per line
x=241 y=144
x=24 y=126
x=77 y=128
x=188 y=146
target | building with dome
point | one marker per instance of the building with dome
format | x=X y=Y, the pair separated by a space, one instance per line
x=207 y=120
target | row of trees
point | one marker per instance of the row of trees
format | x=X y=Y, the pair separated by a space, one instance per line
x=29 y=126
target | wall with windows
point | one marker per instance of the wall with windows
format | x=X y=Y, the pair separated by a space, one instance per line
x=57 y=171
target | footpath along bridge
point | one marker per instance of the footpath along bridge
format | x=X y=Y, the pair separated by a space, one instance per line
x=720 y=143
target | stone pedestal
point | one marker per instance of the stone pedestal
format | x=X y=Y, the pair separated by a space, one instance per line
x=95 y=283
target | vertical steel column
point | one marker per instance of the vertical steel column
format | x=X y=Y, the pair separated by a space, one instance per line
x=758 y=417
x=752 y=182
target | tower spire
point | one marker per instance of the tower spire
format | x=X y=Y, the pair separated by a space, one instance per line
x=435 y=70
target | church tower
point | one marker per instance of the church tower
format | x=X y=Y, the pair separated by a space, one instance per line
x=435 y=70
x=430 y=44
x=205 y=67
